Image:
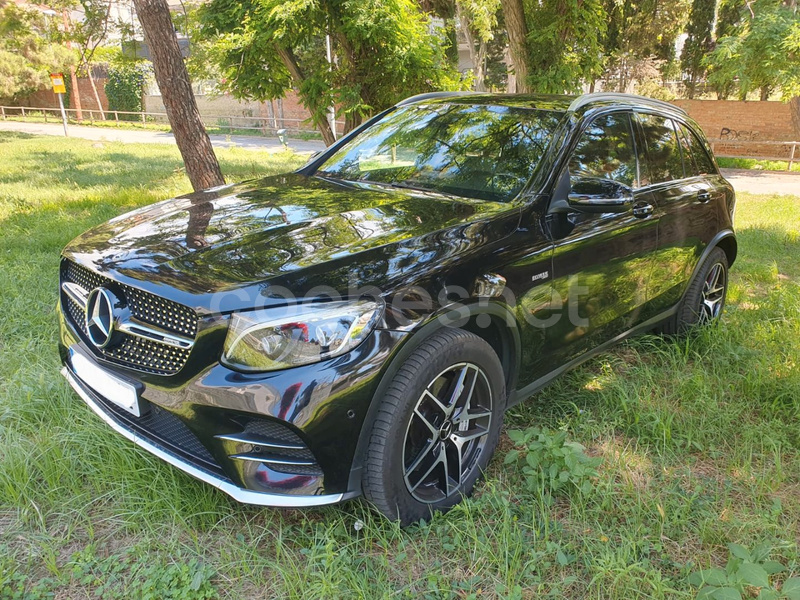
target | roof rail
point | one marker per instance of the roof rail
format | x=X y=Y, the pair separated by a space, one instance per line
x=432 y=96
x=587 y=99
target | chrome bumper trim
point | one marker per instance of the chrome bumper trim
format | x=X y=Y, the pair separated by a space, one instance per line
x=237 y=493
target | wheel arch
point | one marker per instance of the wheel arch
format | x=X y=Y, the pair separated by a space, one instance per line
x=730 y=246
x=724 y=240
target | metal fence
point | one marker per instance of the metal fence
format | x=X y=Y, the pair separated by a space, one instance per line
x=247 y=125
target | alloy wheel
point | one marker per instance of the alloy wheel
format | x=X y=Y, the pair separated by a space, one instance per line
x=713 y=294
x=447 y=432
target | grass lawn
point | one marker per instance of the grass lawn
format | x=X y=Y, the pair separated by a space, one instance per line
x=699 y=442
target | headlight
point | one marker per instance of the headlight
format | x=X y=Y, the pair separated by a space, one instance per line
x=279 y=338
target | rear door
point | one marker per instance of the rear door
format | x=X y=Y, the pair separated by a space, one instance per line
x=685 y=208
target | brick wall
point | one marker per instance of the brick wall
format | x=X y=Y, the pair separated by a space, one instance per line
x=45 y=98
x=225 y=105
x=741 y=121
x=741 y=125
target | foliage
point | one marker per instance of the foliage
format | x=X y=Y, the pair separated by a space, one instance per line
x=200 y=62
x=383 y=51
x=698 y=41
x=174 y=579
x=125 y=87
x=27 y=54
x=551 y=463
x=564 y=43
x=729 y=15
x=478 y=20
x=746 y=569
x=90 y=31
x=762 y=53
x=640 y=31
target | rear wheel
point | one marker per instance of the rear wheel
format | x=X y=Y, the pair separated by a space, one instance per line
x=705 y=297
x=437 y=427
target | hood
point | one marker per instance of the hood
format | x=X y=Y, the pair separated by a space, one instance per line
x=238 y=236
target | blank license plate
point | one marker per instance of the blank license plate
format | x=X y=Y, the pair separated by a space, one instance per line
x=114 y=390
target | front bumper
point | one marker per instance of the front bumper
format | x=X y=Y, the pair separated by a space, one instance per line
x=237 y=493
x=199 y=420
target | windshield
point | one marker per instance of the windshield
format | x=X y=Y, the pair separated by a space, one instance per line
x=484 y=152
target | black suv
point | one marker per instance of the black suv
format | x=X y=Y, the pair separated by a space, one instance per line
x=362 y=324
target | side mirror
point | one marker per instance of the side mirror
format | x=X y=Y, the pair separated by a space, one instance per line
x=598 y=195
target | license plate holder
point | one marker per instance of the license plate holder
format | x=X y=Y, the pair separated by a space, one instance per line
x=109 y=387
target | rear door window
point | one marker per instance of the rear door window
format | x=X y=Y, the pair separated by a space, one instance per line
x=663 y=151
x=605 y=150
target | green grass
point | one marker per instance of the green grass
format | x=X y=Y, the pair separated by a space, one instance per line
x=698 y=440
x=757 y=164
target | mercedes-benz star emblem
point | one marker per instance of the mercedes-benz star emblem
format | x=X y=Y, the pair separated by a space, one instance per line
x=100 y=316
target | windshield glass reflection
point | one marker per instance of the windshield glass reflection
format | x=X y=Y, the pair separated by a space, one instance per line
x=483 y=152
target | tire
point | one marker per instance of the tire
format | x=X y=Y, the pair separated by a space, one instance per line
x=421 y=436
x=705 y=298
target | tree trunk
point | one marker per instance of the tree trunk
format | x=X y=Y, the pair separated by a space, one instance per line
x=73 y=77
x=765 y=93
x=288 y=59
x=176 y=92
x=794 y=109
x=476 y=55
x=517 y=42
x=94 y=89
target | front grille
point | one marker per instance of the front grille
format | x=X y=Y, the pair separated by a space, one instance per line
x=148 y=355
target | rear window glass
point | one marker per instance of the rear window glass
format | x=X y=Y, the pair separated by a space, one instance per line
x=663 y=152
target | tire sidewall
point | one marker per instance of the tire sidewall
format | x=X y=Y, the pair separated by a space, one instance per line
x=691 y=312
x=471 y=349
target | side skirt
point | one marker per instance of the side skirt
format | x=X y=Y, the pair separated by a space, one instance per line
x=529 y=390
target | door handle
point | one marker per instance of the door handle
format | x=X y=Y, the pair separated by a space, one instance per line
x=642 y=210
x=703 y=196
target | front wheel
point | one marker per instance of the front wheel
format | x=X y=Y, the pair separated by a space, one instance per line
x=437 y=427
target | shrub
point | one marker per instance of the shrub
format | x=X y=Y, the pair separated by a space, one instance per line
x=125 y=88
x=552 y=463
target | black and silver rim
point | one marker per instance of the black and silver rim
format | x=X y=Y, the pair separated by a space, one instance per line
x=447 y=432
x=713 y=294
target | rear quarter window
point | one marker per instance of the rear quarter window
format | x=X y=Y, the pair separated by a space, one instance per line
x=702 y=161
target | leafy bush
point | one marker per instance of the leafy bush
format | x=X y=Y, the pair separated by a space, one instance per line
x=551 y=462
x=745 y=569
x=125 y=88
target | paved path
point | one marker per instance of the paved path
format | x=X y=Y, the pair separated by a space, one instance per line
x=763 y=182
x=743 y=180
x=145 y=136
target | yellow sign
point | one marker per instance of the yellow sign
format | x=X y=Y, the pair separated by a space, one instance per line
x=57 y=80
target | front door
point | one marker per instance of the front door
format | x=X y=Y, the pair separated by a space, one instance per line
x=601 y=261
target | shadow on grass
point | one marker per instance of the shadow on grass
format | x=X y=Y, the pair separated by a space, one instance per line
x=11 y=136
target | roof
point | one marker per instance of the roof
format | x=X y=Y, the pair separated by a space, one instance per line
x=562 y=103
